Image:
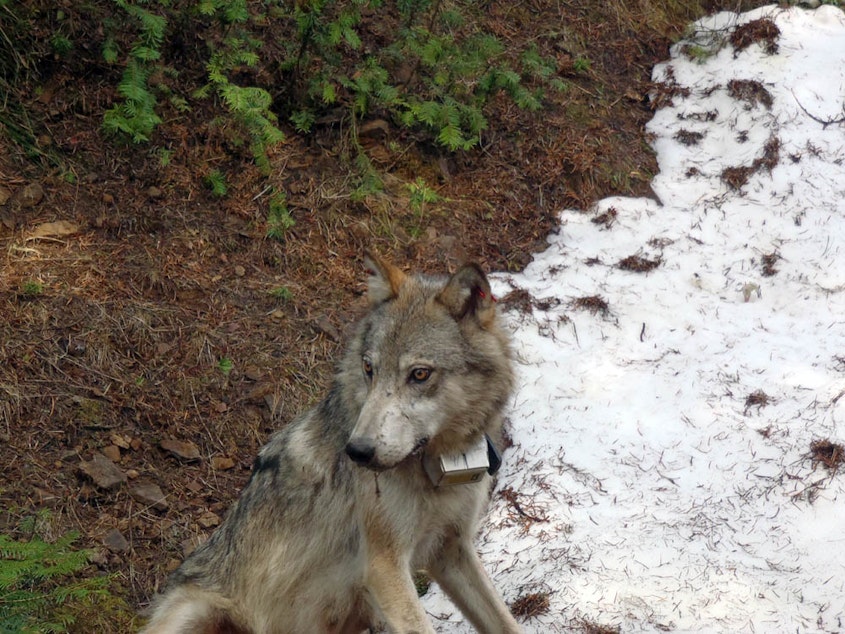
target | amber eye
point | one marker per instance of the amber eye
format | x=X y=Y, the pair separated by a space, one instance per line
x=420 y=375
x=368 y=368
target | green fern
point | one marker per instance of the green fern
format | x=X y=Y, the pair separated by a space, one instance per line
x=215 y=181
x=40 y=590
x=279 y=218
x=136 y=116
x=250 y=105
x=454 y=70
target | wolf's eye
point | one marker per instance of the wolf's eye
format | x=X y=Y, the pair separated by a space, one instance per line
x=368 y=368
x=420 y=375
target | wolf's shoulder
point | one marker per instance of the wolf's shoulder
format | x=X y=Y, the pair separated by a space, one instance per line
x=305 y=452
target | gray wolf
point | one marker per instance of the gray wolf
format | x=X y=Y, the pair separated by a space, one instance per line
x=340 y=511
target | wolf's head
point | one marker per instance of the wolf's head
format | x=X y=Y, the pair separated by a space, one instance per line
x=429 y=367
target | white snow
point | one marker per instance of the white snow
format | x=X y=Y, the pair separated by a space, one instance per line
x=645 y=493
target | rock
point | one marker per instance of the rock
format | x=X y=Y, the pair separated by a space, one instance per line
x=124 y=442
x=209 y=520
x=258 y=393
x=7 y=219
x=103 y=472
x=376 y=127
x=46 y=498
x=98 y=558
x=57 y=229
x=323 y=325
x=222 y=463
x=183 y=449
x=274 y=403
x=239 y=270
x=29 y=196
x=253 y=373
x=69 y=454
x=163 y=348
x=154 y=192
x=149 y=494
x=115 y=541
x=112 y=452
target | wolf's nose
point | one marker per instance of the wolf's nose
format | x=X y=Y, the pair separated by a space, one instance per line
x=361 y=450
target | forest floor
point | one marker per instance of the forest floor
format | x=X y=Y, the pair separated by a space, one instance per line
x=152 y=336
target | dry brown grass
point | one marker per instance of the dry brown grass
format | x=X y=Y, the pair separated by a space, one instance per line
x=638 y=264
x=828 y=453
x=531 y=605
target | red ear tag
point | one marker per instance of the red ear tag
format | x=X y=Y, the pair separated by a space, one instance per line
x=483 y=295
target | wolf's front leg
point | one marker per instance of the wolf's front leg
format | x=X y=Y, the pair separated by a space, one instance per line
x=392 y=588
x=459 y=572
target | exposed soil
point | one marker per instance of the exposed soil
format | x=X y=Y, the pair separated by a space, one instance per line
x=155 y=328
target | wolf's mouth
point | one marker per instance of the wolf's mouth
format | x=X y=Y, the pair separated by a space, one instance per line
x=418 y=448
x=363 y=453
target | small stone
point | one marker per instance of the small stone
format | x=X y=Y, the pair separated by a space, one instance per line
x=132 y=473
x=45 y=497
x=274 y=403
x=172 y=564
x=68 y=455
x=103 y=473
x=58 y=229
x=154 y=192
x=98 y=558
x=184 y=449
x=193 y=486
x=163 y=348
x=253 y=373
x=135 y=444
x=30 y=195
x=149 y=494
x=124 y=442
x=108 y=199
x=112 y=452
x=115 y=541
x=322 y=325
x=189 y=545
x=7 y=219
x=222 y=463
x=209 y=520
x=376 y=127
x=239 y=270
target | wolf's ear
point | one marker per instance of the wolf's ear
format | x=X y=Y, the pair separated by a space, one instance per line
x=467 y=294
x=385 y=279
